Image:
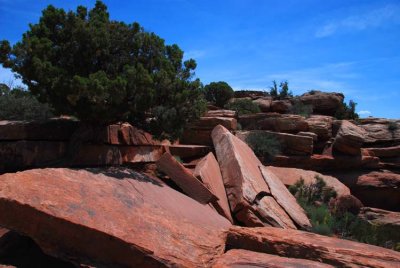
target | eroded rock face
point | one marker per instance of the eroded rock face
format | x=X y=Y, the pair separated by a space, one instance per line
x=239 y=258
x=289 y=176
x=379 y=189
x=349 y=138
x=264 y=104
x=381 y=217
x=110 y=217
x=281 y=106
x=303 y=245
x=380 y=130
x=320 y=125
x=210 y=174
x=248 y=194
x=385 y=152
x=324 y=103
x=126 y=134
x=285 y=199
x=288 y=123
x=221 y=113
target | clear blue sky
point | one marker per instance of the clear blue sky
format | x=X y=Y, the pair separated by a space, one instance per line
x=346 y=46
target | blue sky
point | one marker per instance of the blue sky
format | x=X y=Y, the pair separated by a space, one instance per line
x=345 y=46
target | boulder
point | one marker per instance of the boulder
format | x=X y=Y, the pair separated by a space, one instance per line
x=210 y=174
x=314 y=247
x=281 y=106
x=110 y=217
x=290 y=144
x=379 y=189
x=285 y=199
x=349 y=139
x=385 y=152
x=289 y=176
x=248 y=194
x=345 y=203
x=381 y=131
x=239 y=258
x=324 y=103
x=221 y=113
x=309 y=134
x=250 y=121
x=189 y=184
x=210 y=122
x=288 y=123
x=320 y=125
x=126 y=134
x=196 y=136
x=264 y=104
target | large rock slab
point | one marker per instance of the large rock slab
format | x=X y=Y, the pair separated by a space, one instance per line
x=110 y=217
x=379 y=189
x=349 y=138
x=325 y=103
x=281 y=106
x=210 y=174
x=126 y=134
x=320 y=125
x=380 y=131
x=248 y=194
x=197 y=137
x=290 y=144
x=185 y=179
x=384 y=152
x=221 y=113
x=289 y=176
x=285 y=199
x=288 y=123
x=264 y=104
x=239 y=258
x=211 y=122
x=303 y=245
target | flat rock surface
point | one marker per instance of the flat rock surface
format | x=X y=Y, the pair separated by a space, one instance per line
x=112 y=217
x=304 y=245
x=285 y=199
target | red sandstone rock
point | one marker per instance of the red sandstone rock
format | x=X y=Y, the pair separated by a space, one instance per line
x=185 y=179
x=345 y=203
x=320 y=125
x=299 y=244
x=188 y=151
x=211 y=122
x=288 y=123
x=380 y=131
x=379 y=189
x=290 y=144
x=110 y=217
x=385 y=152
x=324 y=103
x=285 y=199
x=210 y=174
x=349 y=139
x=239 y=258
x=289 y=176
x=197 y=136
x=248 y=194
x=381 y=217
x=264 y=104
x=221 y=113
x=281 y=106
x=126 y=134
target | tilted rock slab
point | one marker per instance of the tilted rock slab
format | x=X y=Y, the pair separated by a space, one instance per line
x=285 y=198
x=111 y=218
x=210 y=174
x=304 y=245
x=248 y=194
x=349 y=138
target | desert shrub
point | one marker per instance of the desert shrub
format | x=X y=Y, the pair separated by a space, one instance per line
x=283 y=90
x=102 y=71
x=264 y=144
x=243 y=106
x=311 y=193
x=347 y=111
x=19 y=104
x=219 y=93
x=302 y=109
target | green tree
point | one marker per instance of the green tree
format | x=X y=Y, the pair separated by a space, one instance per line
x=273 y=90
x=218 y=93
x=347 y=111
x=284 y=90
x=101 y=71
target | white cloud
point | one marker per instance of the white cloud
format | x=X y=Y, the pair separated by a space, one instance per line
x=364 y=112
x=359 y=22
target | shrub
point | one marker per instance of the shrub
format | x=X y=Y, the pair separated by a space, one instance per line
x=19 y=104
x=315 y=192
x=283 y=91
x=243 y=106
x=264 y=144
x=102 y=71
x=219 y=93
x=302 y=109
x=347 y=111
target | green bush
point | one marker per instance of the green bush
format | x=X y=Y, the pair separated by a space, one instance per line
x=102 y=71
x=243 y=106
x=302 y=109
x=264 y=144
x=283 y=91
x=218 y=93
x=347 y=111
x=19 y=104
x=315 y=192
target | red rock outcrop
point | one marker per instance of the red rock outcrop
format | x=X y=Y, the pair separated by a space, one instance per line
x=210 y=174
x=290 y=144
x=285 y=199
x=380 y=130
x=248 y=195
x=110 y=217
x=189 y=184
x=281 y=106
x=324 y=103
x=384 y=152
x=379 y=189
x=320 y=125
x=349 y=139
x=126 y=134
x=345 y=203
x=264 y=104
x=221 y=113
x=239 y=258
x=289 y=176
x=288 y=123
x=303 y=245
